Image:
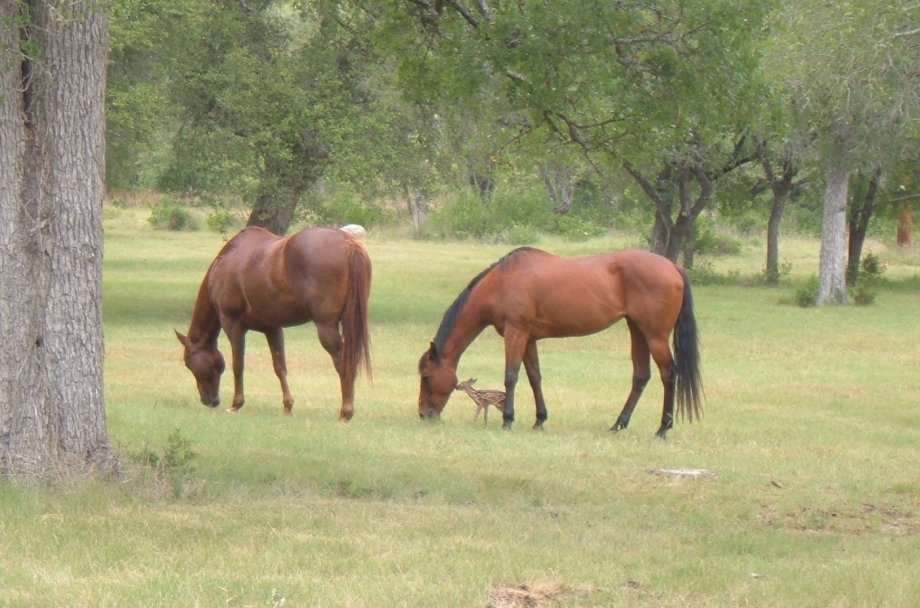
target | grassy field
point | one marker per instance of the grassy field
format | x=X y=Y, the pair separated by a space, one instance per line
x=812 y=426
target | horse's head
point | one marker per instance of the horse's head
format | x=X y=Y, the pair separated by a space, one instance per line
x=438 y=382
x=206 y=364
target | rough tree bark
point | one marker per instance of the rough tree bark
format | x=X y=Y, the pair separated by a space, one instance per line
x=52 y=85
x=832 y=288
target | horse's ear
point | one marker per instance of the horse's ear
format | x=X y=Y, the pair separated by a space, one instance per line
x=182 y=339
x=433 y=354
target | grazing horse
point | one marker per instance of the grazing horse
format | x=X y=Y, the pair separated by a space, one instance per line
x=530 y=294
x=264 y=282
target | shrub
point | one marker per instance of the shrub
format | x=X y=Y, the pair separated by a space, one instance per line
x=807 y=294
x=221 y=221
x=574 y=228
x=170 y=215
x=871 y=270
x=522 y=234
x=173 y=465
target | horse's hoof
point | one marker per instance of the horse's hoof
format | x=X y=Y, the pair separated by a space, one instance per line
x=506 y=426
x=538 y=426
x=233 y=410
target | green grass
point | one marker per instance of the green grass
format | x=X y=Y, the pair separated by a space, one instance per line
x=811 y=424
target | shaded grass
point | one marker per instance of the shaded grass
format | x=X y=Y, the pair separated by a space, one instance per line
x=811 y=424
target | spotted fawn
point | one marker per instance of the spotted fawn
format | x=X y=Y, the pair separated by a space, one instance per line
x=483 y=399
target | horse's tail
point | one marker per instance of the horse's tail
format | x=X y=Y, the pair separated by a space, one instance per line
x=355 y=333
x=688 y=380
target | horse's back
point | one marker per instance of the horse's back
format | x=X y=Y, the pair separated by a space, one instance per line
x=275 y=281
x=569 y=296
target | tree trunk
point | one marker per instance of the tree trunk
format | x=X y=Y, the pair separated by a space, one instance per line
x=860 y=214
x=905 y=226
x=780 y=185
x=559 y=181
x=832 y=287
x=776 y=217
x=273 y=212
x=52 y=150
x=417 y=204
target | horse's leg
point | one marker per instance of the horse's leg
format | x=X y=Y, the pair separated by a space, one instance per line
x=532 y=366
x=641 y=374
x=237 y=335
x=275 y=339
x=515 y=345
x=661 y=353
x=331 y=340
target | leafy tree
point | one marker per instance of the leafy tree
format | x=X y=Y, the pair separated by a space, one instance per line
x=664 y=85
x=851 y=69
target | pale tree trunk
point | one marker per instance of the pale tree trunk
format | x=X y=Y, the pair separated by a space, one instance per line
x=559 y=180
x=417 y=204
x=832 y=288
x=52 y=410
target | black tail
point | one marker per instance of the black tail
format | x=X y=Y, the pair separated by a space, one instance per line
x=688 y=381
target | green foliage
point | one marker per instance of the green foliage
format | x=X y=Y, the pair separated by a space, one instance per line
x=709 y=241
x=346 y=207
x=509 y=217
x=222 y=221
x=172 y=466
x=170 y=214
x=806 y=295
x=871 y=271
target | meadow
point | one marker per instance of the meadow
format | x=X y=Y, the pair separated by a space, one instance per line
x=811 y=428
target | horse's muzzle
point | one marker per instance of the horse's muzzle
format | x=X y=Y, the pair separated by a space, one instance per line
x=430 y=414
x=212 y=402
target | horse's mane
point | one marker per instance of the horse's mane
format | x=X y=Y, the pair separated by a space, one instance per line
x=453 y=312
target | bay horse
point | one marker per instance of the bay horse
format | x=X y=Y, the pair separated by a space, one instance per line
x=264 y=282
x=530 y=294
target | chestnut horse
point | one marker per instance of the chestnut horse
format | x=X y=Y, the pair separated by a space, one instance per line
x=264 y=282
x=530 y=294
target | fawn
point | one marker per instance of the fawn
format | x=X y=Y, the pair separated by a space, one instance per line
x=483 y=399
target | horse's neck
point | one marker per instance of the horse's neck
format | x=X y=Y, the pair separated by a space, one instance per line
x=467 y=328
x=205 y=325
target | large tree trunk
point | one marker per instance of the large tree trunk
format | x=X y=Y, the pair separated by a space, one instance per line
x=273 y=212
x=52 y=150
x=832 y=288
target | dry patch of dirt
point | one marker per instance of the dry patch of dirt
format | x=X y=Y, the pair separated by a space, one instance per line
x=533 y=595
x=854 y=519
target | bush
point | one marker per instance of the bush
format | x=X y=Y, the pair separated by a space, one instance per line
x=807 y=295
x=221 y=221
x=871 y=269
x=574 y=228
x=708 y=242
x=170 y=215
